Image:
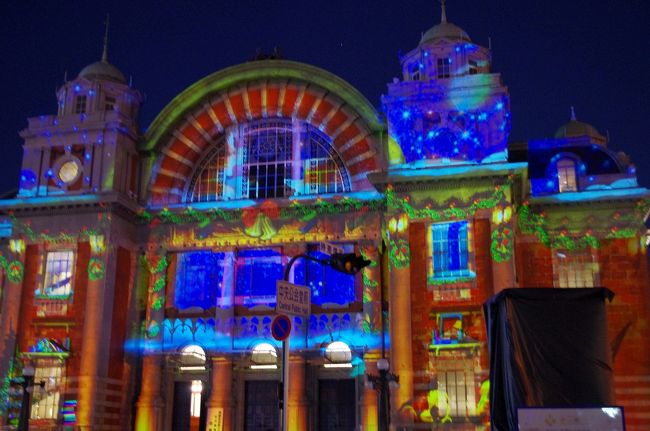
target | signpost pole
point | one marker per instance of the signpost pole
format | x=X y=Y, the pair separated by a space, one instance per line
x=285 y=383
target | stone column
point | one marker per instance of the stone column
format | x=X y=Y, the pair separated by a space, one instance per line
x=369 y=400
x=372 y=300
x=96 y=332
x=220 y=401
x=502 y=250
x=297 y=403
x=13 y=274
x=401 y=356
x=149 y=413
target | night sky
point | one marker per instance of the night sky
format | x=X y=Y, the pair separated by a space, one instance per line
x=594 y=55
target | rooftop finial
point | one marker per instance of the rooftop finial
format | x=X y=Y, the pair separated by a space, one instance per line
x=573 y=114
x=443 y=16
x=105 y=53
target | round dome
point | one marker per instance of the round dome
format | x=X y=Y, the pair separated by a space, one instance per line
x=102 y=70
x=445 y=30
x=576 y=128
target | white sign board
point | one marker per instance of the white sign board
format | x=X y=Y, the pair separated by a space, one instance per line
x=292 y=299
x=571 y=419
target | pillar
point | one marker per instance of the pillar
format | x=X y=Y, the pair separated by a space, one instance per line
x=502 y=248
x=368 y=399
x=96 y=332
x=220 y=405
x=399 y=296
x=297 y=404
x=13 y=274
x=149 y=408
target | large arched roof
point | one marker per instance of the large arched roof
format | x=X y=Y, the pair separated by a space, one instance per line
x=186 y=127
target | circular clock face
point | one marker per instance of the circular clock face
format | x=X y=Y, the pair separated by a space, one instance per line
x=69 y=171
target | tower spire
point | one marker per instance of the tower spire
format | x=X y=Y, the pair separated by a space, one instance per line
x=573 y=114
x=105 y=52
x=443 y=15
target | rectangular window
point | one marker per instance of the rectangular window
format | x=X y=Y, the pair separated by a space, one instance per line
x=46 y=400
x=109 y=103
x=199 y=279
x=444 y=67
x=577 y=268
x=257 y=273
x=460 y=388
x=57 y=283
x=80 y=105
x=449 y=251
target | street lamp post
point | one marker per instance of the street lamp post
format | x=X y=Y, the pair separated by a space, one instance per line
x=27 y=384
x=347 y=263
x=382 y=384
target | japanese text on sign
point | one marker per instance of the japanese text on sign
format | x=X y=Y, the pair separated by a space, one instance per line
x=292 y=299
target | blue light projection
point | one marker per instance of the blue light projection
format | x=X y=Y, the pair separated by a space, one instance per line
x=326 y=284
x=257 y=273
x=199 y=278
x=463 y=135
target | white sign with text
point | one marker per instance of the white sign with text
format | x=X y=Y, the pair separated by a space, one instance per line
x=292 y=299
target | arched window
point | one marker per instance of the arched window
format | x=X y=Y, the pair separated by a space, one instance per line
x=192 y=358
x=264 y=356
x=270 y=158
x=566 y=175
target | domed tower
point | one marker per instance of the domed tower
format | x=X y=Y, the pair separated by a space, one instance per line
x=577 y=159
x=449 y=108
x=90 y=145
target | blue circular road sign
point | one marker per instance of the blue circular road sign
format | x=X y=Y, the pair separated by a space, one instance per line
x=281 y=327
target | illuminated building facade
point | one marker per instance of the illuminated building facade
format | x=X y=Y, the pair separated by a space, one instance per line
x=139 y=270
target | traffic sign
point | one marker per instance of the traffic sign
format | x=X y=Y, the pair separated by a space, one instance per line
x=292 y=299
x=281 y=327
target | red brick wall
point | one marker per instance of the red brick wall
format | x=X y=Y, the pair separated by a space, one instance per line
x=624 y=270
x=534 y=265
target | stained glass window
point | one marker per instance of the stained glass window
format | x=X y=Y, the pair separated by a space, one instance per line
x=257 y=273
x=449 y=250
x=326 y=284
x=57 y=283
x=199 y=278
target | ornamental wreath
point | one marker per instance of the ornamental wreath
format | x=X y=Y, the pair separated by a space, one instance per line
x=96 y=269
x=501 y=245
x=15 y=271
x=399 y=253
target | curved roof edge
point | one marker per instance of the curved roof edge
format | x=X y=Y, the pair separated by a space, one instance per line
x=249 y=71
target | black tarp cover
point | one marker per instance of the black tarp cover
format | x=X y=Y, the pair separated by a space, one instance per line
x=548 y=348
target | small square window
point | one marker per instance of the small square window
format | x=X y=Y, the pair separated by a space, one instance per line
x=575 y=268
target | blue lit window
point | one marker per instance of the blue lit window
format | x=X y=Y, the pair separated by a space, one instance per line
x=257 y=273
x=199 y=278
x=326 y=284
x=449 y=248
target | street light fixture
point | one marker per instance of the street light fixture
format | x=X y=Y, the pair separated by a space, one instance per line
x=347 y=263
x=382 y=384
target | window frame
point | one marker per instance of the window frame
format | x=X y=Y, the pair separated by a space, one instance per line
x=51 y=397
x=466 y=254
x=308 y=165
x=443 y=67
x=80 y=104
x=567 y=175
x=578 y=268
